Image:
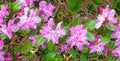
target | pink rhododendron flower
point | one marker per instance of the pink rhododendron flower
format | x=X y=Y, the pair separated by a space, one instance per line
x=27 y=3
x=2 y=53
x=97 y=46
x=29 y=21
x=3 y=13
x=116 y=52
x=6 y=30
x=1 y=44
x=77 y=37
x=64 y=48
x=106 y=15
x=49 y=33
x=8 y=58
x=11 y=24
x=43 y=46
x=116 y=33
x=46 y=9
x=19 y=55
x=33 y=38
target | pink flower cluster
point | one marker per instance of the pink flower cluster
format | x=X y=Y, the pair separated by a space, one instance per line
x=106 y=16
x=77 y=37
x=46 y=9
x=116 y=34
x=2 y=53
x=49 y=33
x=97 y=45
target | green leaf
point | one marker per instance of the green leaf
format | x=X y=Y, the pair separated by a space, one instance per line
x=92 y=7
x=26 y=47
x=75 y=5
x=92 y=55
x=110 y=26
x=50 y=46
x=97 y=1
x=111 y=45
x=50 y=56
x=105 y=39
x=75 y=22
x=83 y=58
x=15 y=51
x=115 y=3
x=40 y=40
x=90 y=25
x=14 y=7
x=85 y=50
x=90 y=36
x=110 y=58
x=74 y=53
x=58 y=58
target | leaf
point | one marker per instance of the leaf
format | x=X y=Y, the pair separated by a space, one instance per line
x=50 y=56
x=26 y=47
x=110 y=58
x=50 y=46
x=40 y=40
x=90 y=25
x=105 y=39
x=74 y=53
x=92 y=55
x=58 y=58
x=83 y=58
x=115 y=3
x=92 y=7
x=75 y=5
x=15 y=51
x=90 y=36
x=14 y=7
x=110 y=27
x=85 y=50
x=75 y=22
x=97 y=1
x=111 y=45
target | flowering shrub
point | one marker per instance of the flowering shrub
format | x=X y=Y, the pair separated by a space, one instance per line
x=41 y=34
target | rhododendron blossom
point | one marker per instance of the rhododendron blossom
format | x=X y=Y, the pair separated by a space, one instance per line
x=97 y=46
x=77 y=37
x=116 y=33
x=3 y=13
x=46 y=9
x=64 y=48
x=27 y=3
x=106 y=16
x=33 y=38
x=116 y=52
x=49 y=33
x=29 y=21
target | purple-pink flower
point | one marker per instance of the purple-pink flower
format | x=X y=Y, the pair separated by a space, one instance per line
x=1 y=44
x=33 y=38
x=46 y=9
x=64 y=48
x=2 y=53
x=27 y=3
x=116 y=52
x=116 y=33
x=9 y=57
x=6 y=30
x=3 y=13
x=77 y=37
x=29 y=21
x=106 y=16
x=97 y=46
x=49 y=33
